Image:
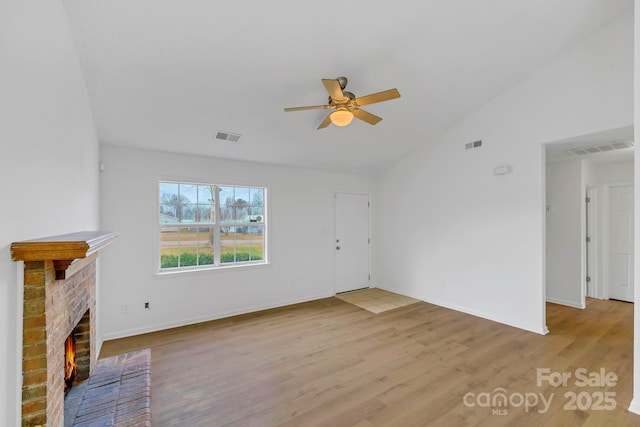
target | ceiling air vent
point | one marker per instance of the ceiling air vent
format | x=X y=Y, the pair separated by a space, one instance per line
x=228 y=136
x=470 y=145
x=617 y=145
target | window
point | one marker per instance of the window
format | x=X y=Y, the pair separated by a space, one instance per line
x=210 y=225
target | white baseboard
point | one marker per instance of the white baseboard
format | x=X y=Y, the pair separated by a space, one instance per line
x=190 y=321
x=399 y=292
x=542 y=330
x=567 y=303
x=194 y=320
x=99 y=342
x=635 y=406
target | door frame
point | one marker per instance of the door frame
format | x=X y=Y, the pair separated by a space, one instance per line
x=592 y=248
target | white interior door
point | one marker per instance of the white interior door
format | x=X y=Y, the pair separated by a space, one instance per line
x=621 y=243
x=352 y=241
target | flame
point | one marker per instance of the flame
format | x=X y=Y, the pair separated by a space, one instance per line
x=70 y=365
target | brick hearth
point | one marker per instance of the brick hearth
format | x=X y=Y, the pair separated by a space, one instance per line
x=118 y=393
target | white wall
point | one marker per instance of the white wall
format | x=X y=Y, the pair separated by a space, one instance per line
x=564 y=230
x=48 y=164
x=474 y=241
x=301 y=241
x=613 y=173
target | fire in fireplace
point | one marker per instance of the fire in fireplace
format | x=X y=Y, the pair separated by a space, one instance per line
x=70 y=364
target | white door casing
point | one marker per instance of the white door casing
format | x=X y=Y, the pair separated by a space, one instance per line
x=352 y=241
x=590 y=247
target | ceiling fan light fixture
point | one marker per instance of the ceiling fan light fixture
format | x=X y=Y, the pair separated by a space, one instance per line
x=346 y=104
x=341 y=117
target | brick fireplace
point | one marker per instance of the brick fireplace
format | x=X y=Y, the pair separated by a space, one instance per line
x=59 y=299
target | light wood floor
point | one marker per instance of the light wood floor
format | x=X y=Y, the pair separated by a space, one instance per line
x=376 y=300
x=330 y=363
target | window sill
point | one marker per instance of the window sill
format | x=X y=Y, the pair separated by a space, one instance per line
x=166 y=273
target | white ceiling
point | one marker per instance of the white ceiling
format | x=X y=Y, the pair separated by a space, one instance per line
x=167 y=74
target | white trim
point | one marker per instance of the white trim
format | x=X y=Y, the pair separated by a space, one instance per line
x=604 y=244
x=208 y=268
x=19 y=343
x=592 y=256
x=567 y=303
x=98 y=314
x=403 y=292
x=542 y=331
x=201 y=319
x=583 y=237
x=634 y=406
x=543 y=239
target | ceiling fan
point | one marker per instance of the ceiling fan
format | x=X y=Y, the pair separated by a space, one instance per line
x=346 y=105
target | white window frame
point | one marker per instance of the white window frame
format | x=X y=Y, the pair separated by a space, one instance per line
x=217 y=225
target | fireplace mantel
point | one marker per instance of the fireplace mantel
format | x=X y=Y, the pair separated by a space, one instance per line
x=59 y=300
x=63 y=249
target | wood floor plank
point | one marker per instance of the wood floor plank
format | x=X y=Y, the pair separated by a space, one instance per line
x=329 y=363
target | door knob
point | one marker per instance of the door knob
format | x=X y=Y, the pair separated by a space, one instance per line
x=337 y=248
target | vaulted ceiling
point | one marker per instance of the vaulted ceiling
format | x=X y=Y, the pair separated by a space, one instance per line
x=166 y=74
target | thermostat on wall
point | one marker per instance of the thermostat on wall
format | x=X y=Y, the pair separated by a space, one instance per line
x=502 y=170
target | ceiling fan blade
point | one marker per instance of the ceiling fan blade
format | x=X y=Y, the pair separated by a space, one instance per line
x=372 y=119
x=333 y=87
x=378 y=97
x=326 y=122
x=311 y=107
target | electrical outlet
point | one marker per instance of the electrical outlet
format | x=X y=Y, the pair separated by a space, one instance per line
x=147 y=306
